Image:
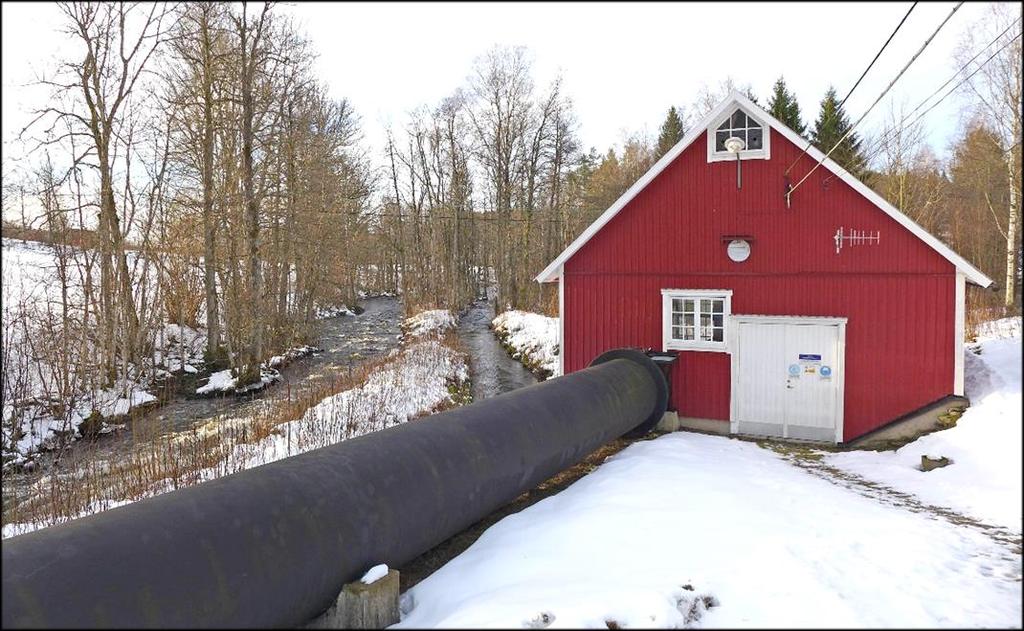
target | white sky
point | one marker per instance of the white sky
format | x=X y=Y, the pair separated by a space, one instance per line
x=623 y=63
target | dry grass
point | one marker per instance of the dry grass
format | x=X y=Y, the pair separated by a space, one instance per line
x=93 y=479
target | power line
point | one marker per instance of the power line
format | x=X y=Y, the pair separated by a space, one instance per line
x=877 y=55
x=862 y=75
x=880 y=96
x=879 y=145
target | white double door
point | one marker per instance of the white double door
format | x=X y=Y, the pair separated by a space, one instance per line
x=788 y=376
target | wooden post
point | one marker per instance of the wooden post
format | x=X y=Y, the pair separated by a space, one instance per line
x=363 y=606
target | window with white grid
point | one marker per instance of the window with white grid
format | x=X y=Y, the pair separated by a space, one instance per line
x=696 y=319
x=737 y=123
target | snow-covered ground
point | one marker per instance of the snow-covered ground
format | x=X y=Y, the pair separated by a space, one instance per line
x=773 y=545
x=696 y=530
x=984 y=479
x=532 y=337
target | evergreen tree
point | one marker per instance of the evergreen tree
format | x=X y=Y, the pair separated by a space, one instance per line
x=671 y=132
x=831 y=125
x=749 y=93
x=783 y=106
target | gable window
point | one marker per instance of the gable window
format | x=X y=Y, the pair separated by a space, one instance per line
x=738 y=124
x=695 y=319
x=741 y=126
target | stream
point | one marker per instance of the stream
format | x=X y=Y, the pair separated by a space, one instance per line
x=491 y=369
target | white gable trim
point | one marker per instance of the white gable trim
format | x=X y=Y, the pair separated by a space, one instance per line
x=552 y=271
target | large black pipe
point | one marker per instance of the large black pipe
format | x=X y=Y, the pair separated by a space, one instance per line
x=272 y=546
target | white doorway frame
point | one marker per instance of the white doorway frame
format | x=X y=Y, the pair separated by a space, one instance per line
x=734 y=367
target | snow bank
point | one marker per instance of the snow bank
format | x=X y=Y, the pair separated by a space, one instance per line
x=532 y=337
x=31 y=292
x=984 y=480
x=640 y=540
x=432 y=322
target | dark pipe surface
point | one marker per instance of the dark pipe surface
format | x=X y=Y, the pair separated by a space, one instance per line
x=273 y=545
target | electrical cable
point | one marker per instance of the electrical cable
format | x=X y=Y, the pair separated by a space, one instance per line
x=880 y=143
x=789 y=193
x=862 y=75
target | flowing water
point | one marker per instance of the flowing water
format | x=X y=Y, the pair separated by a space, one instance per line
x=491 y=369
x=344 y=342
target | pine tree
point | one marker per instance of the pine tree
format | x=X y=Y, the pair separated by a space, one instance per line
x=671 y=132
x=831 y=125
x=783 y=106
x=749 y=93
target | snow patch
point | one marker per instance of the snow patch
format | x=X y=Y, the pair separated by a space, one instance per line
x=333 y=312
x=374 y=574
x=432 y=322
x=224 y=381
x=532 y=337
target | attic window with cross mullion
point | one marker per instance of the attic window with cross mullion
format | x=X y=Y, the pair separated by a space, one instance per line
x=743 y=127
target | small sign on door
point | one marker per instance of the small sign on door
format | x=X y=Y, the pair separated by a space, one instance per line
x=809 y=362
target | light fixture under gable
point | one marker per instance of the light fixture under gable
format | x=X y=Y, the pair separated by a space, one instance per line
x=735 y=144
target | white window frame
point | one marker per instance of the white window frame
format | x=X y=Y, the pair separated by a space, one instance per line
x=669 y=343
x=764 y=153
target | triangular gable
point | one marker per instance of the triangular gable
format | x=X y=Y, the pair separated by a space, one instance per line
x=552 y=271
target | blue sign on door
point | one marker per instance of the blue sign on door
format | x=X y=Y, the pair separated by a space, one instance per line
x=809 y=357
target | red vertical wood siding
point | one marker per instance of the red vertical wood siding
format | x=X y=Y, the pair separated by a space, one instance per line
x=898 y=295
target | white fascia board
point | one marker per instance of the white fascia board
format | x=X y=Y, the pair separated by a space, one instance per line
x=971 y=273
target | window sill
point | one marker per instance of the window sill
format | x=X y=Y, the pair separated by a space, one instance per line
x=748 y=154
x=717 y=348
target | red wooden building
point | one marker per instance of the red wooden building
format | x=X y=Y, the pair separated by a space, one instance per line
x=820 y=315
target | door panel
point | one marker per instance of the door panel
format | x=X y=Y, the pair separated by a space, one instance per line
x=786 y=380
x=811 y=395
x=761 y=393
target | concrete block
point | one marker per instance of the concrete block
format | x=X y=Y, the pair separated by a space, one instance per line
x=669 y=422
x=362 y=606
x=705 y=425
x=940 y=415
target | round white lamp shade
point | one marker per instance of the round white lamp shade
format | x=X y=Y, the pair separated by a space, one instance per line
x=734 y=144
